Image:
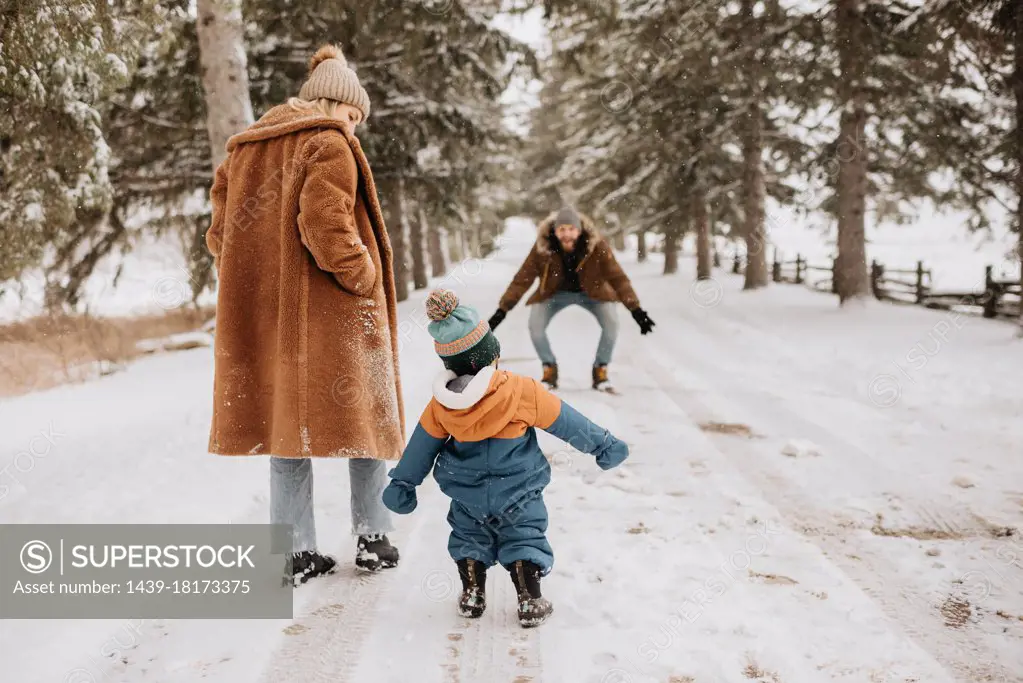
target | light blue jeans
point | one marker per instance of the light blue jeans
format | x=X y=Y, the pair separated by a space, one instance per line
x=541 y=314
x=291 y=498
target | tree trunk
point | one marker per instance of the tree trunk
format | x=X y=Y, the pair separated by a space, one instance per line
x=1017 y=86
x=619 y=241
x=224 y=76
x=704 y=262
x=641 y=253
x=671 y=238
x=417 y=242
x=471 y=242
x=435 y=244
x=753 y=171
x=397 y=228
x=225 y=82
x=455 y=241
x=852 y=281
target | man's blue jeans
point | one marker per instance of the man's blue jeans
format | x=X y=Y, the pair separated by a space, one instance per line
x=605 y=312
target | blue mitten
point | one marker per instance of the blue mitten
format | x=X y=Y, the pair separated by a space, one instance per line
x=612 y=454
x=400 y=497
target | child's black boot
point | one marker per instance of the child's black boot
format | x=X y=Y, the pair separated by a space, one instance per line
x=533 y=607
x=474 y=588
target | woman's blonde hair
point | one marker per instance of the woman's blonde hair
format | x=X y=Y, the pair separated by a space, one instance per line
x=325 y=106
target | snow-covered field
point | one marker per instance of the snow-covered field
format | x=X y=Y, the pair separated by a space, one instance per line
x=956 y=257
x=813 y=495
x=148 y=279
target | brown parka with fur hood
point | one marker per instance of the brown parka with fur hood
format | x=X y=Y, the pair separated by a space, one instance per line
x=600 y=275
x=306 y=341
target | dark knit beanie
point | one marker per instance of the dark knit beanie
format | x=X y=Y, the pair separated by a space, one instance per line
x=568 y=216
x=464 y=343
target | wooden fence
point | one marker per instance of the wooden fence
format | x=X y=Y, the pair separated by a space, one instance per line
x=998 y=299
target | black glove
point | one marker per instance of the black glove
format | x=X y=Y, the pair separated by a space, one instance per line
x=496 y=319
x=646 y=325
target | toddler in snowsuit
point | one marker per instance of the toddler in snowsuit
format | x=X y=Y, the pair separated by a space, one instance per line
x=477 y=435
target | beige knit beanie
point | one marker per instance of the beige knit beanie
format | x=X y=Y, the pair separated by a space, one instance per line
x=330 y=77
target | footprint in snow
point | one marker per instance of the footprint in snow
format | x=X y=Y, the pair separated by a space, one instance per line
x=800 y=448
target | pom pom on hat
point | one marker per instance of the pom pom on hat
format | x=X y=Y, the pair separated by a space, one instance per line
x=440 y=304
x=331 y=78
x=323 y=54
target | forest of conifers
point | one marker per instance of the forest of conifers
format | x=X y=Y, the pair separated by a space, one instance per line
x=654 y=116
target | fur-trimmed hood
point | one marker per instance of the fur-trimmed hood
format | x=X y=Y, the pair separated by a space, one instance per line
x=546 y=241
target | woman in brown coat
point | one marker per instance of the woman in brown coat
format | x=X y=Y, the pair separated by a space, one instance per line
x=306 y=343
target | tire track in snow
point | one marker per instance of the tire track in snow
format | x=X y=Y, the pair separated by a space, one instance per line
x=908 y=610
x=489 y=648
x=325 y=644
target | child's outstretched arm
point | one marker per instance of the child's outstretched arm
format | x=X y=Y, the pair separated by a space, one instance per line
x=415 y=464
x=556 y=417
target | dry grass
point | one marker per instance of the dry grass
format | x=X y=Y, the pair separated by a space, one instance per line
x=43 y=352
x=956 y=611
x=775 y=579
x=755 y=672
x=729 y=429
x=978 y=528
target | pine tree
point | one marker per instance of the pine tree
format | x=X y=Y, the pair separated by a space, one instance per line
x=59 y=63
x=434 y=73
x=991 y=32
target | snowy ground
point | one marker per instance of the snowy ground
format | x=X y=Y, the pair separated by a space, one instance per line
x=813 y=495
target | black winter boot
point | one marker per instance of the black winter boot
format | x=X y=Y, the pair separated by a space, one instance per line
x=374 y=553
x=473 y=602
x=308 y=564
x=533 y=607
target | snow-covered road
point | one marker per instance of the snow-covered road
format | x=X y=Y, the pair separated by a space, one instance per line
x=813 y=495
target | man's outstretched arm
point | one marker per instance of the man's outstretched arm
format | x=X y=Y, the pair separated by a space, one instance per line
x=520 y=284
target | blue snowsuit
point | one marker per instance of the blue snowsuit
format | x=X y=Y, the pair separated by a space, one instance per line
x=479 y=430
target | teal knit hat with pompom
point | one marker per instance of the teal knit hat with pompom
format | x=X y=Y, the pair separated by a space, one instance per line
x=464 y=343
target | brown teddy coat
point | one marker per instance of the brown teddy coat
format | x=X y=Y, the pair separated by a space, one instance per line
x=600 y=275
x=306 y=346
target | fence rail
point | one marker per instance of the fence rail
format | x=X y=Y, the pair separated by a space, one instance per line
x=998 y=299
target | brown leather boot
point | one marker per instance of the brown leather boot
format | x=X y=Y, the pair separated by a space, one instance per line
x=550 y=375
x=601 y=382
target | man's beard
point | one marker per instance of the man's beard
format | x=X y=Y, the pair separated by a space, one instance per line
x=567 y=246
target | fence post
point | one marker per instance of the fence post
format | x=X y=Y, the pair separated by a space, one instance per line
x=735 y=263
x=776 y=269
x=990 y=293
x=876 y=273
x=834 y=276
x=799 y=269
x=919 y=282
x=717 y=258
